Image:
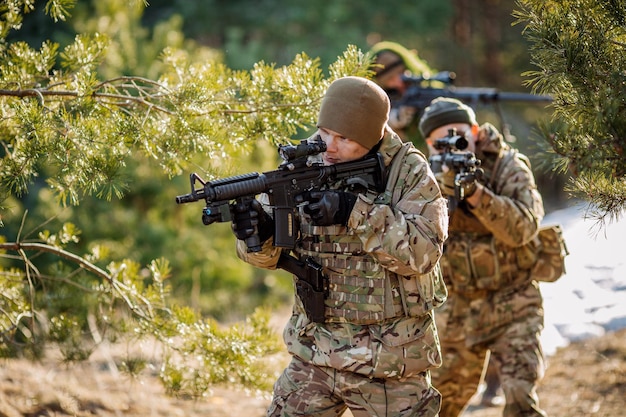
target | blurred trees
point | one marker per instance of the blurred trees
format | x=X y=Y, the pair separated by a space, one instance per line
x=108 y=106
x=245 y=32
x=90 y=163
x=475 y=39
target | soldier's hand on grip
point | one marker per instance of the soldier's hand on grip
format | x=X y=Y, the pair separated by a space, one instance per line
x=328 y=207
x=250 y=218
x=466 y=185
x=459 y=186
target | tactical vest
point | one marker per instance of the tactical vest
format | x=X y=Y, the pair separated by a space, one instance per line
x=360 y=290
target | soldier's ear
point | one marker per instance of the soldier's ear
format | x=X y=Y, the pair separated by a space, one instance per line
x=475 y=128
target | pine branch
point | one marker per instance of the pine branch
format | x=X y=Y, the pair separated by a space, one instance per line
x=122 y=98
x=121 y=289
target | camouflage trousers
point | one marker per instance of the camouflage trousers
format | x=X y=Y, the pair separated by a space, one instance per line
x=517 y=356
x=309 y=390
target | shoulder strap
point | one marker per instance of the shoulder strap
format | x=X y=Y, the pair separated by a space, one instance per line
x=502 y=155
x=391 y=193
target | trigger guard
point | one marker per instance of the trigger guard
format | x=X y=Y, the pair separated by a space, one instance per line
x=355 y=182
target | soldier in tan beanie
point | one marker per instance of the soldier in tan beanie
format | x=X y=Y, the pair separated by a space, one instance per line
x=374 y=348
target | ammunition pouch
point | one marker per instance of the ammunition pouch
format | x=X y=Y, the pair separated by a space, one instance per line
x=473 y=264
x=552 y=250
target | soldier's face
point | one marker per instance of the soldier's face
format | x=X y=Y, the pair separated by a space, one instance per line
x=339 y=148
x=392 y=81
x=442 y=132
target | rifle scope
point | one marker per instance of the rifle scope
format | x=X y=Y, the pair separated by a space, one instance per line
x=446 y=77
x=452 y=141
x=303 y=149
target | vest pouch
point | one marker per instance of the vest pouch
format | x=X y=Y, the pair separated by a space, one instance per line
x=422 y=293
x=483 y=257
x=353 y=297
x=526 y=255
x=550 y=264
x=411 y=346
x=473 y=263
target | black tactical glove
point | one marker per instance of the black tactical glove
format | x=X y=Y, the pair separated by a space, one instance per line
x=250 y=218
x=328 y=207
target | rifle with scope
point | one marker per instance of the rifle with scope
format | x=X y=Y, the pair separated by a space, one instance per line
x=421 y=90
x=295 y=175
x=455 y=157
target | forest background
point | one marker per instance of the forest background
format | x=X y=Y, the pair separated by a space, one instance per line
x=137 y=218
x=477 y=40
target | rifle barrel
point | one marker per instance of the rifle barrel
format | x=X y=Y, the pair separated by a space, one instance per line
x=492 y=94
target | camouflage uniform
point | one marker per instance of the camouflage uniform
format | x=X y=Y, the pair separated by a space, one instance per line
x=494 y=304
x=374 y=351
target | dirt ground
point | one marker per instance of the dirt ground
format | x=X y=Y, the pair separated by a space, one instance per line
x=587 y=378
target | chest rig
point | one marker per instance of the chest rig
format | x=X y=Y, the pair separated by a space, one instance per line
x=358 y=290
x=474 y=261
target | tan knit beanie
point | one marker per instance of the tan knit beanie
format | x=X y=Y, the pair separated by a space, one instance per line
x=357 y=108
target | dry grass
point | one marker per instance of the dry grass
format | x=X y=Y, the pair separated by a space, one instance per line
x=584 y=379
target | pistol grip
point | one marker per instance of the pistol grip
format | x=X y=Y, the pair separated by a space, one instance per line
x=254 y=243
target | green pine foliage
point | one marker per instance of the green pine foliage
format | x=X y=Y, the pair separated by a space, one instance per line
x=92 y=244
x=579 y=47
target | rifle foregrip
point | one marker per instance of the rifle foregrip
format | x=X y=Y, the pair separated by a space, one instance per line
x=249 y=185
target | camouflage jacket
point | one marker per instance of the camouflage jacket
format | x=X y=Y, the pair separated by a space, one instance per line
x=404 y=239
x=486 y=264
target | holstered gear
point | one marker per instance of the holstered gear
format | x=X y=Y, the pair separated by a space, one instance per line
x=360 y=291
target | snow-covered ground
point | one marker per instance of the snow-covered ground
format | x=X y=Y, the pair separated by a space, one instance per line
x=590 y=299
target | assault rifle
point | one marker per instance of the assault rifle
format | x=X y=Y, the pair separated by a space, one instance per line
x=421 y=90
x=295 y=175
x=463 y=163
